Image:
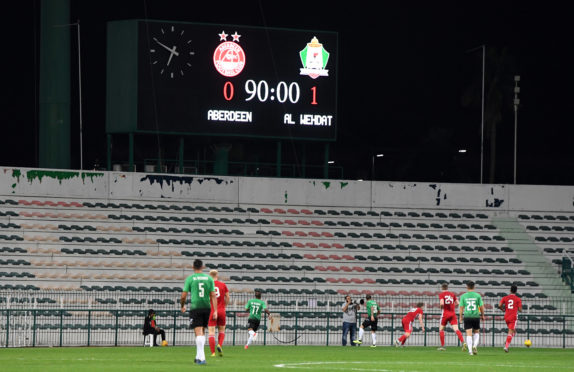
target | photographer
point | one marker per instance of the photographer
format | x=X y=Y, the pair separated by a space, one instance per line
x=350 y=309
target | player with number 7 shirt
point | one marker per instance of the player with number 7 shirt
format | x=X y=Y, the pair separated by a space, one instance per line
x=511 y=305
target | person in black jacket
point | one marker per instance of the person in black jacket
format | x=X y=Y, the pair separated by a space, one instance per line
x=150 y=327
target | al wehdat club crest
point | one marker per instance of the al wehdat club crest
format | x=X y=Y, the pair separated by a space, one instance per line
x=229 y=57
x=314 y=58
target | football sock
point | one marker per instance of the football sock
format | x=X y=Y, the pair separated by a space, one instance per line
x=441 y=334
x=251 y=335
x=361 y=331
x=508 y=341
x=402 y=339
x=220 y=338
x=200 y=343
x=374 y=337
x=459 y=334
x=212 y=343
x=475 y=338
x=469 y=343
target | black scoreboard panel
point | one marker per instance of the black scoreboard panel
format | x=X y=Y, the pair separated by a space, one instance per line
x=234 y=80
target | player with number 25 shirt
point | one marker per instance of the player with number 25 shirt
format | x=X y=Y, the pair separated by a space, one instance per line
x=471 y=309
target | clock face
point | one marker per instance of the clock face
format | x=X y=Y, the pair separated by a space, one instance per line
x=171 y=51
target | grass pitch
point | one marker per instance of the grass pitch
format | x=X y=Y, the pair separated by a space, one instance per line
x=282 y=358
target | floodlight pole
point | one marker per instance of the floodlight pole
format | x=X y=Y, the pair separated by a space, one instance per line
x=77 y=24
x=482 y=116
x=80 y=98
x=483 y=46
x=516 y=104
x=373 y=174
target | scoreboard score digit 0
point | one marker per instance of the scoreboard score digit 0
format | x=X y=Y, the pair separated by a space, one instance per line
x=221 y=80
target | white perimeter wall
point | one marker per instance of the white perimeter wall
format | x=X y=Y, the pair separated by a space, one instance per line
x=46 y=183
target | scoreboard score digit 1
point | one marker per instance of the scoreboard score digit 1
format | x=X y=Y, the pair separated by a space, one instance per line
x=233 y=80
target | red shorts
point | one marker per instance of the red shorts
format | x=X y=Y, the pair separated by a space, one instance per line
x=407 y=325
x=511 y=323
x=448 y=318
x=220 y=321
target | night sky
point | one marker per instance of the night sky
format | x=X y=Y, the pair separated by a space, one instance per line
x=408 y=87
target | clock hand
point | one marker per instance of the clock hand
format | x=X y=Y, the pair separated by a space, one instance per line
x=172 y=51
x=171 y=55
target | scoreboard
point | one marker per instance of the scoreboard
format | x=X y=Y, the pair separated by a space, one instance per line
x=204 y=79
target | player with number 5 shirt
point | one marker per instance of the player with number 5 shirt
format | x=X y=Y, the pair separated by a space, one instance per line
x=511 y=305
x=202 y=290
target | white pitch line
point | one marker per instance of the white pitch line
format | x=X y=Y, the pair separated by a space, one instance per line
x=470 y=363
x=312 y=365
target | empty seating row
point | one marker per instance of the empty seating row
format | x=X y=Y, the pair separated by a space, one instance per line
x=249 y=255
x=227 y=209
x=76 y=216
x=8 y=214
x=409 y=225
x=276 y=279
x=89 y=239
x=9 y=226
x=556 y=228
x=554 y=239
x=14 y=262
x=441 y=248
x=129 y=252
x=48 y=203
x=11 y=237
x=12 y=250
x=546 y=217
x=14 y=274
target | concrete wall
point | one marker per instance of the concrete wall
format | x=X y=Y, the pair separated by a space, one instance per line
x=46 y=183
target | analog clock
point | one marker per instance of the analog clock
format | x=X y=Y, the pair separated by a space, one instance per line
x=171 y=51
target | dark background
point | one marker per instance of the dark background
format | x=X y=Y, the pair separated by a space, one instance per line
x=407 y=86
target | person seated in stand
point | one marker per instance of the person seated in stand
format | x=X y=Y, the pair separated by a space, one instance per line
x=150 y=327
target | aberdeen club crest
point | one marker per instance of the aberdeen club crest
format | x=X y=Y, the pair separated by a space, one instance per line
x=229 y=57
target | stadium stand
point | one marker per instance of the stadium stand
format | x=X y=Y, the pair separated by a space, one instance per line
x=132 y=251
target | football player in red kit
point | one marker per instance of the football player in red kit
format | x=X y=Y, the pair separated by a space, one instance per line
x=511 y=305
x=448 y=303
x=222 y=295
x=408 y=323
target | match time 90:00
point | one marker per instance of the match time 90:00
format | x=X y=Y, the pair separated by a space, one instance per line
x=282 y=92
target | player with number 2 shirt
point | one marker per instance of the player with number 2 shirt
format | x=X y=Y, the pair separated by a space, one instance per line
x=511 y=305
